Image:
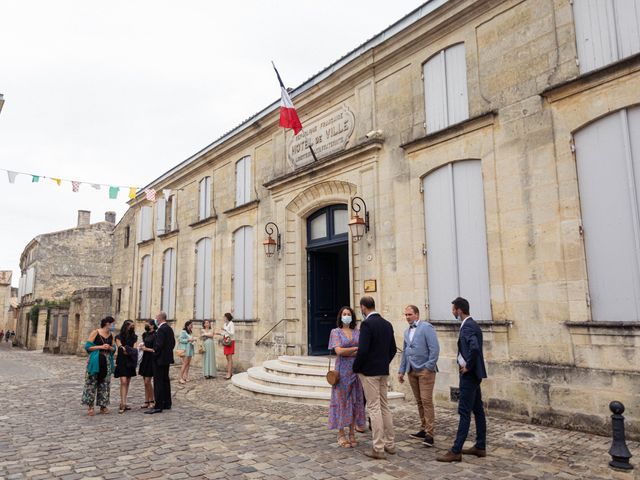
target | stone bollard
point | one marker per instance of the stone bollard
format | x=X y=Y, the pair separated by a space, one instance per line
x=619 y=452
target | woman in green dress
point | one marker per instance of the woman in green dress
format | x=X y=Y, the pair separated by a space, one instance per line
x=209 y=355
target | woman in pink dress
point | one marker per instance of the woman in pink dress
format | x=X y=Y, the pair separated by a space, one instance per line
x=347 y=398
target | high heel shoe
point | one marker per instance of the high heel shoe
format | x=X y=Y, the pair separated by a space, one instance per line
x=343 y=442
x=352 y=439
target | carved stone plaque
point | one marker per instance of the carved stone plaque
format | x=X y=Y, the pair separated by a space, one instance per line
x=327 y=134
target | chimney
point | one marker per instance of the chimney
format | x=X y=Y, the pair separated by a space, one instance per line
x=84 y=218
x=110 y=217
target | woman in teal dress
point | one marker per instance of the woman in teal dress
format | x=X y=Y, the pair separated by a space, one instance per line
x=185 y=342
x=209 y=355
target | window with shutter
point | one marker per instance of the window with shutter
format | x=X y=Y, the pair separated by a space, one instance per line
x=203 y=283
x=456 y=240
x=161 y=213
x=243 y=273
x=445 y=88
x=608 y=164
x=243 y=181
x=606 y=31
x=144 y=310
x=204 y=203
x=168 y=289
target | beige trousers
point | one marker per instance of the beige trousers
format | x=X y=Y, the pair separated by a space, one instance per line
x=422 y=383
x=375 y=391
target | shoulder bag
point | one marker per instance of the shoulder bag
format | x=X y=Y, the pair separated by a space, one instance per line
x=333 y=376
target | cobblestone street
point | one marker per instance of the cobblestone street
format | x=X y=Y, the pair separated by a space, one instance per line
x=215 y=432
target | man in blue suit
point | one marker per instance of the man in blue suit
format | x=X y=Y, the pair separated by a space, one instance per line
x=419 y=362
x=472 y=371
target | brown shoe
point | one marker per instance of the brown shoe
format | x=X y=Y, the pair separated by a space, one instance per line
x=390 y=450
x=377 y=455
x=449 y=457
x=478 y=452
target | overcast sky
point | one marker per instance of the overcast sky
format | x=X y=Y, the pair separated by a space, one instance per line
x=119 y=92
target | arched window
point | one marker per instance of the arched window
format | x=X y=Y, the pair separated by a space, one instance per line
x=168 y=289
x=144 y=309
x=203 y=292
x=243 y=273
x=445 y=88
x=608 y=163
x=456 y=239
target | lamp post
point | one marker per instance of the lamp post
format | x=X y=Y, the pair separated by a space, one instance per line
x=271 y=245
x=358 y=225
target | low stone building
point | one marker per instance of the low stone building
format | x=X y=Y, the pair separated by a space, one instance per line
x=54 y=266
x=5 y=301
x=490 y=148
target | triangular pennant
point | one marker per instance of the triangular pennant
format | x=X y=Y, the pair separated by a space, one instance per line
x=75 y=186
x=113 y=192
x=166 y=192
x=96 y=186
x=35 y=178
x=132 y=192
x=57 y=180
x=12 y=176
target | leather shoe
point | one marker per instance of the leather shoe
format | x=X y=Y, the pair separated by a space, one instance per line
x=478 y=452
x=390 y=450
x=377 y=455
x=449 y=456
x=151 y=411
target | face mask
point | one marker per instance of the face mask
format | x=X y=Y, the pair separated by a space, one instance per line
x=457 y=317
x=113 y=327
x=155 y=322
x=346 y=319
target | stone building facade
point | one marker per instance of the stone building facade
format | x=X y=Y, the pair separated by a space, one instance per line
x=6 y=312
x=476 y=133
x=54 y=266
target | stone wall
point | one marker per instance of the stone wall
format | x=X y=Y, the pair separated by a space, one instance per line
x=88 y=306
x=5 y=300
x=526 y=99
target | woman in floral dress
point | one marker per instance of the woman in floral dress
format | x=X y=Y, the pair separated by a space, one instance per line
x=347 y=397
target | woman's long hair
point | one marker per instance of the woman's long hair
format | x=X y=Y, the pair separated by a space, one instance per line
x=124 y=329
x=186 y=325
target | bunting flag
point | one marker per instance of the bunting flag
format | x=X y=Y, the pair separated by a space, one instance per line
x=166 y=193
x=114 y=190
x=150 y=194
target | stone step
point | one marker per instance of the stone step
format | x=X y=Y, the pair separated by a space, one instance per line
x=288 y=369
x=244 y=382
x=313 y=363
x=264 y=377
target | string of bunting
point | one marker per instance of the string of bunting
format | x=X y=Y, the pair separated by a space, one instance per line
x=114 y=190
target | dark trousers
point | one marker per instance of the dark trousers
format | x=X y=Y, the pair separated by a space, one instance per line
x=161 y=386
x=470 y=401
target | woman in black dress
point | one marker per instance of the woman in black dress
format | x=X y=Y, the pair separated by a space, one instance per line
x=146 y=365
x=126 y=361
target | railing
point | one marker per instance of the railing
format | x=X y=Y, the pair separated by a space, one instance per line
x=273 y=328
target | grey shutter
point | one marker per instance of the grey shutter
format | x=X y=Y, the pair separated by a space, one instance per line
x=161 y=212
x=456 y=82
x=238 y=273
x=168 y=283
x=608 y=163
x=435 y=88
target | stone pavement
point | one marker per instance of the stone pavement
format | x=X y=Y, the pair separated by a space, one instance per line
x=214 y=431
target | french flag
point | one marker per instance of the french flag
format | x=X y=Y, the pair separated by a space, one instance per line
x=288 y=115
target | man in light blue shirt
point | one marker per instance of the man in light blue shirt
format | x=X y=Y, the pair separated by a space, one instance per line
x=419 y=361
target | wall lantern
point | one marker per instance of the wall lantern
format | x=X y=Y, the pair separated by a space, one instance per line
x=358 y=225
x=270 y=244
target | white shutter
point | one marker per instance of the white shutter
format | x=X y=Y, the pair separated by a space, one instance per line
x=174 y=210
x=471 y=237
x=199 y=290
x=435 y=93
x=161 y=212
x=247 y=180
x=442 y=271
x=28 y=287
x=628 y=26
x=238 y=273
x=168 y=283
x=145 y=287
x=240 y=181
x=608 y=162
x=139 y=225
x=202 y=205
x=456 y=81
x=248 y=272
x=21 y=286
x=207 y=281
